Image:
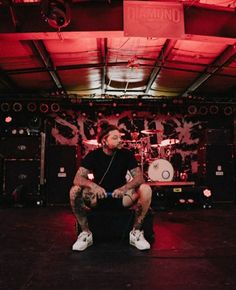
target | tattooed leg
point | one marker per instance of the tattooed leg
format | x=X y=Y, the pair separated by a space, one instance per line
x=78 y=207
x=142 y=206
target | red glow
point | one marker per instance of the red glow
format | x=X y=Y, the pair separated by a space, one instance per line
x=8 y=119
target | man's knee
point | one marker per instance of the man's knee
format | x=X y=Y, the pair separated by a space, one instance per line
x=145 y=191
x=74 y=192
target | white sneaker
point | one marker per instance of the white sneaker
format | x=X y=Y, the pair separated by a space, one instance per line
x=85 y=239
x=136 y=239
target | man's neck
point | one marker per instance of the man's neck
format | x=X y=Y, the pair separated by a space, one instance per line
x=108 y=151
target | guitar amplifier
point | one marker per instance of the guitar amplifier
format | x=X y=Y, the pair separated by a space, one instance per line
x=20 y=147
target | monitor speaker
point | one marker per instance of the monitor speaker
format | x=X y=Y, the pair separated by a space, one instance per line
x=20 y=147
x=60 y=172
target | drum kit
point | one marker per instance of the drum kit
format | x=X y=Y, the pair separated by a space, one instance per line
x=155 y=160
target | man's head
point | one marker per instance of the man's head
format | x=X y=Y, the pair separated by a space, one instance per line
x=110 y=137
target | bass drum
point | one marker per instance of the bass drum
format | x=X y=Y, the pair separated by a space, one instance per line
x=160 y=170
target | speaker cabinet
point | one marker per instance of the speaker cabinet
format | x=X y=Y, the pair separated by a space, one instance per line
x=216 y=170
x=21 y=177
x=60 y=172
x=20 y=147
x=217 y=137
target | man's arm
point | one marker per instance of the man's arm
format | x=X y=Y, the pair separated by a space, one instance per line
x=137 y=180
x=81 y=179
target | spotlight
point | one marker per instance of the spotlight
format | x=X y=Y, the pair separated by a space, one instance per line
x=214 y=109
x=192 y=109
x=207 y=192
x=31 y=107
x=5 y=107
x=43 y=108
x=17 y=107
x=55 y=107
x=228 y=111
x=21 y=131
x=56 y=13
x=203 y=110
x=8 y=119
x=14 y=131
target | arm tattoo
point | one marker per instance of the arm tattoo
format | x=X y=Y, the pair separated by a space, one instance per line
x=137 y=177
x=82 y=172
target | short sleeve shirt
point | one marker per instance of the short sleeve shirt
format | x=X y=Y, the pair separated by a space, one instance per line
x=97 y=162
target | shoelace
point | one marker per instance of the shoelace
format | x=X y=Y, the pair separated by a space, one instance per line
x=83 y=236
x=139 y=235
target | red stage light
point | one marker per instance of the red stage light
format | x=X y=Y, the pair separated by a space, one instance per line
x=8 y=119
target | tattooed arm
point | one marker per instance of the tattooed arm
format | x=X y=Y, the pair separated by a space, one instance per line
x=137 y=180
x=81 y=180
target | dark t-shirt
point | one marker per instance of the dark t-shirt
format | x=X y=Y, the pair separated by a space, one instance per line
x=97 y=162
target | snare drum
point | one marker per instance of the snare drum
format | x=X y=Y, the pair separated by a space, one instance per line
x=160 y=170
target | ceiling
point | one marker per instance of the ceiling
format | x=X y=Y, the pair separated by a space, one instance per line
x=91 y=56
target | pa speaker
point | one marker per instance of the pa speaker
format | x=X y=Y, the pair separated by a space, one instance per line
x=20 y=147
x=21 y=177
x=216 y=170
x=60 y=172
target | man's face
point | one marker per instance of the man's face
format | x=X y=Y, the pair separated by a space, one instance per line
x=113 y=140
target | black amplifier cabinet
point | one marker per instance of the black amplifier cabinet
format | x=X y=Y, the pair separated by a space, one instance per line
x=21 y=177
x=20 y=147
x=60 y=172
x=217 y=137
x=216 y=170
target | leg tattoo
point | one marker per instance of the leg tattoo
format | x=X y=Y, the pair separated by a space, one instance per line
x=138 y=221
x=79 y=208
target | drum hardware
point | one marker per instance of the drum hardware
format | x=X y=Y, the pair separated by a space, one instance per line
x=151 y=131
x=92 y=142
x=169 y=142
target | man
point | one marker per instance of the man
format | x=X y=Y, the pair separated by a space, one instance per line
x=109 y=165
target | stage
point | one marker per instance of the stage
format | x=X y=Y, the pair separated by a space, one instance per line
x=193 y=249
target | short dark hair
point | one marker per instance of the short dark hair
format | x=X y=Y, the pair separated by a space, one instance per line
x=104 y=130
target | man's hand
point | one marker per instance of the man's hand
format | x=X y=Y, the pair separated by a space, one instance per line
x=119 y=192
x=99 y=191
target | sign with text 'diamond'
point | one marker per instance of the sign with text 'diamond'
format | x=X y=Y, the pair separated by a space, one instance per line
x=153 y=19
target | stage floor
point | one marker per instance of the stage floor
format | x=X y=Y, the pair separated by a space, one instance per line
x=193 y=249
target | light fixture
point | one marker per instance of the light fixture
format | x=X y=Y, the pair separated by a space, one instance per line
x=31 y=107
x=5 y=107
x=8 y=119
x=213 y=109
x=228 y=111
x=55 y=107
x=192 y=110
x=56 y=13
x=203 y=110
x=17 y=107
x=43 y=108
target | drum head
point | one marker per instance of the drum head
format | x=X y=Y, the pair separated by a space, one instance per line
x=160 y=170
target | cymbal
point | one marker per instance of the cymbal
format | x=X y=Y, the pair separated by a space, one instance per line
x=169 y=142
x=93 y=142
x=151 y=131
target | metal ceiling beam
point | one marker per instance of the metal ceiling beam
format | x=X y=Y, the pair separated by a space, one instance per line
x=7 y=82
x=40 y=50
x=167 y=47
x=102 y=43
x=93 y=18
x=223 y=59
